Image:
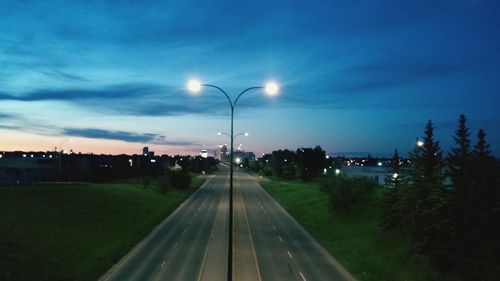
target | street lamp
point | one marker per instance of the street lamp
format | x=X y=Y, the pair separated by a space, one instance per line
x=60 y=155
x=271 y=89
x=235 y=136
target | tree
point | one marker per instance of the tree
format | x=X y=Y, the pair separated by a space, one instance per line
x=426 y=200
x=485 y=194
x=282 y=163
x=310 y=162
x=459 y=166
x=393 y=210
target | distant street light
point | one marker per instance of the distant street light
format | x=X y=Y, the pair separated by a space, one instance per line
x=60 y=156
x=235 y=136
x=271 y=89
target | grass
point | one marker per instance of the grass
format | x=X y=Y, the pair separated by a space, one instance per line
x=355 y=239
x=77 y=232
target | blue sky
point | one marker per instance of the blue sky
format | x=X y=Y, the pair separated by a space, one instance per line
x=355 y=76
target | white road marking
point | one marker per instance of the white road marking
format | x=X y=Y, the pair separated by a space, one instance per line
x=175 y=245
x=184 y=231
x=302 y=275
x=288 y=252
x=279 y=237
x=162 y=264
x=268 y=218
x=274 y=227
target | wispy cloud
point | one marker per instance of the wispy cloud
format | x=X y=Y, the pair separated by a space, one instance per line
x=123 y=136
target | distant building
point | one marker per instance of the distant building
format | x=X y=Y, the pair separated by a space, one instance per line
x=146 y=152
x=204 y=153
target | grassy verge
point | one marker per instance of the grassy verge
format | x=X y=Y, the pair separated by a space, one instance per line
x=356 y=239
x=77 y=232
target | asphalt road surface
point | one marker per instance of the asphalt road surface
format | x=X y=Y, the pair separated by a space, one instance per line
x=191 y=244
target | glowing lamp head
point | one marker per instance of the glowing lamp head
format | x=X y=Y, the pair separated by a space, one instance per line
x=246 y=134
x=420 y=143
x=219 y=133
x=194 y=86
x=271 y=88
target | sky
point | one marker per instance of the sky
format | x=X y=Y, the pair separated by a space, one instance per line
x=356 y=77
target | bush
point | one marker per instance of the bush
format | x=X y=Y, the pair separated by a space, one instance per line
x=164 y=184
x=146 y=181
x=348 y=194
x=179 y=180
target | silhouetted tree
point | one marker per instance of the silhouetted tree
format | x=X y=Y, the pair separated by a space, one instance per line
x=310 y=162
x=282 y=163
x=484 y=203
x=393 y=209
x=426 y=200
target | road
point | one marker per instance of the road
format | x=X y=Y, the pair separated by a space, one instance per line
x=191 y=244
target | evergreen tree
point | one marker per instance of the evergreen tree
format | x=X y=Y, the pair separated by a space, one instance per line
x=485 y=197
x=459 y=172
x=459 y=165
x=426 y=199
x=393 y=210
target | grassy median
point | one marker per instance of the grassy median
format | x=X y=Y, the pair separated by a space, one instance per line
x=355 y=239
x=77 y=232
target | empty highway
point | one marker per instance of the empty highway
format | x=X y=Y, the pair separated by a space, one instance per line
x=191 y=244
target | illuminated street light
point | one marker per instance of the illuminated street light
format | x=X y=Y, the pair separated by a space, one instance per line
x=271 y=89
x=61 y=151
x=194 y=86
x=420 y=143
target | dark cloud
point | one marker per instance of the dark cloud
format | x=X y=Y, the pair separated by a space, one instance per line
x=6 y=116
x=123 y=136
x=135 y=99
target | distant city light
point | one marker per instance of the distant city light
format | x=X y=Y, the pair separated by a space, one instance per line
x=238 y=160
x=395 y=175
x=379 y=164
x=153 y=160
x=420 y=143
x=337 y=171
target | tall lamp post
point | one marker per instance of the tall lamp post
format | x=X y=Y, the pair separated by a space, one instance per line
x=271 y=88
x=60 y=155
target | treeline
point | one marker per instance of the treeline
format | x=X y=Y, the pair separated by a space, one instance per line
x=105 y=168
x=304 y=163
x=455 y=221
